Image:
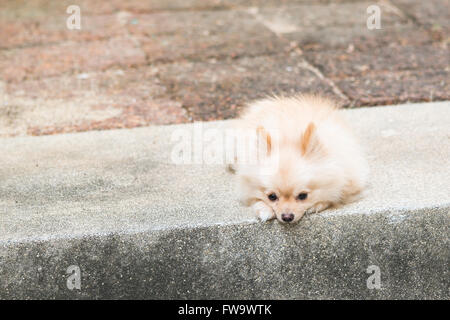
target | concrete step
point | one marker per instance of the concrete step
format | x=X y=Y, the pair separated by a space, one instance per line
x=113 y=206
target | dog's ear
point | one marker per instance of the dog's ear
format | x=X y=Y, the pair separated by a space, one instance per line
x=264 y=140
x=309 y=141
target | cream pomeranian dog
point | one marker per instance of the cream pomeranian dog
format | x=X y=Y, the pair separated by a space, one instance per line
x=315 y=161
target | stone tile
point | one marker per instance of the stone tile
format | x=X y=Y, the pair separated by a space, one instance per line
x=406 y=66
x=115 y=83
x=432 y=13
x=49 y=30
x=140 y=113
x=37 y=9
x=398 y=36
x=139 y=6
x=314 y=16
x=336 y=25
x=34 y=62
x=218 y=89
x=200 y=35
x=339 y=64
x=394 y=87
x=19 y=9
x=88 y=101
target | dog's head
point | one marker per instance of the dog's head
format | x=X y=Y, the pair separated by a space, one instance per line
x=306 y=175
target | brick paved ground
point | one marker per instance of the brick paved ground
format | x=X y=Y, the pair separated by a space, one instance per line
x=136 y=63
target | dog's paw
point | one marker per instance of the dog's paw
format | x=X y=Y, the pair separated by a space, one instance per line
x=318 y=207
x=263 y=212
x=265 y=215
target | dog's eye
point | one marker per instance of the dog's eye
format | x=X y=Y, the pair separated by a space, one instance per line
x=302 y=196
x=272 y=197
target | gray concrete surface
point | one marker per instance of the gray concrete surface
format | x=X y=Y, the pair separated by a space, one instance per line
x=140 y=226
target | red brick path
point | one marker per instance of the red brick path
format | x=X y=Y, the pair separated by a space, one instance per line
x=135 y=63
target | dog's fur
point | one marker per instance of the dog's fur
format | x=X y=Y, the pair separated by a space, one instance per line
x=316 y=154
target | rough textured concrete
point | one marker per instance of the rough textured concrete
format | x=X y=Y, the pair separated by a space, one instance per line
x=139 y=226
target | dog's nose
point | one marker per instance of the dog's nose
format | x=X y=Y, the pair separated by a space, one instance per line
x=287 y=217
